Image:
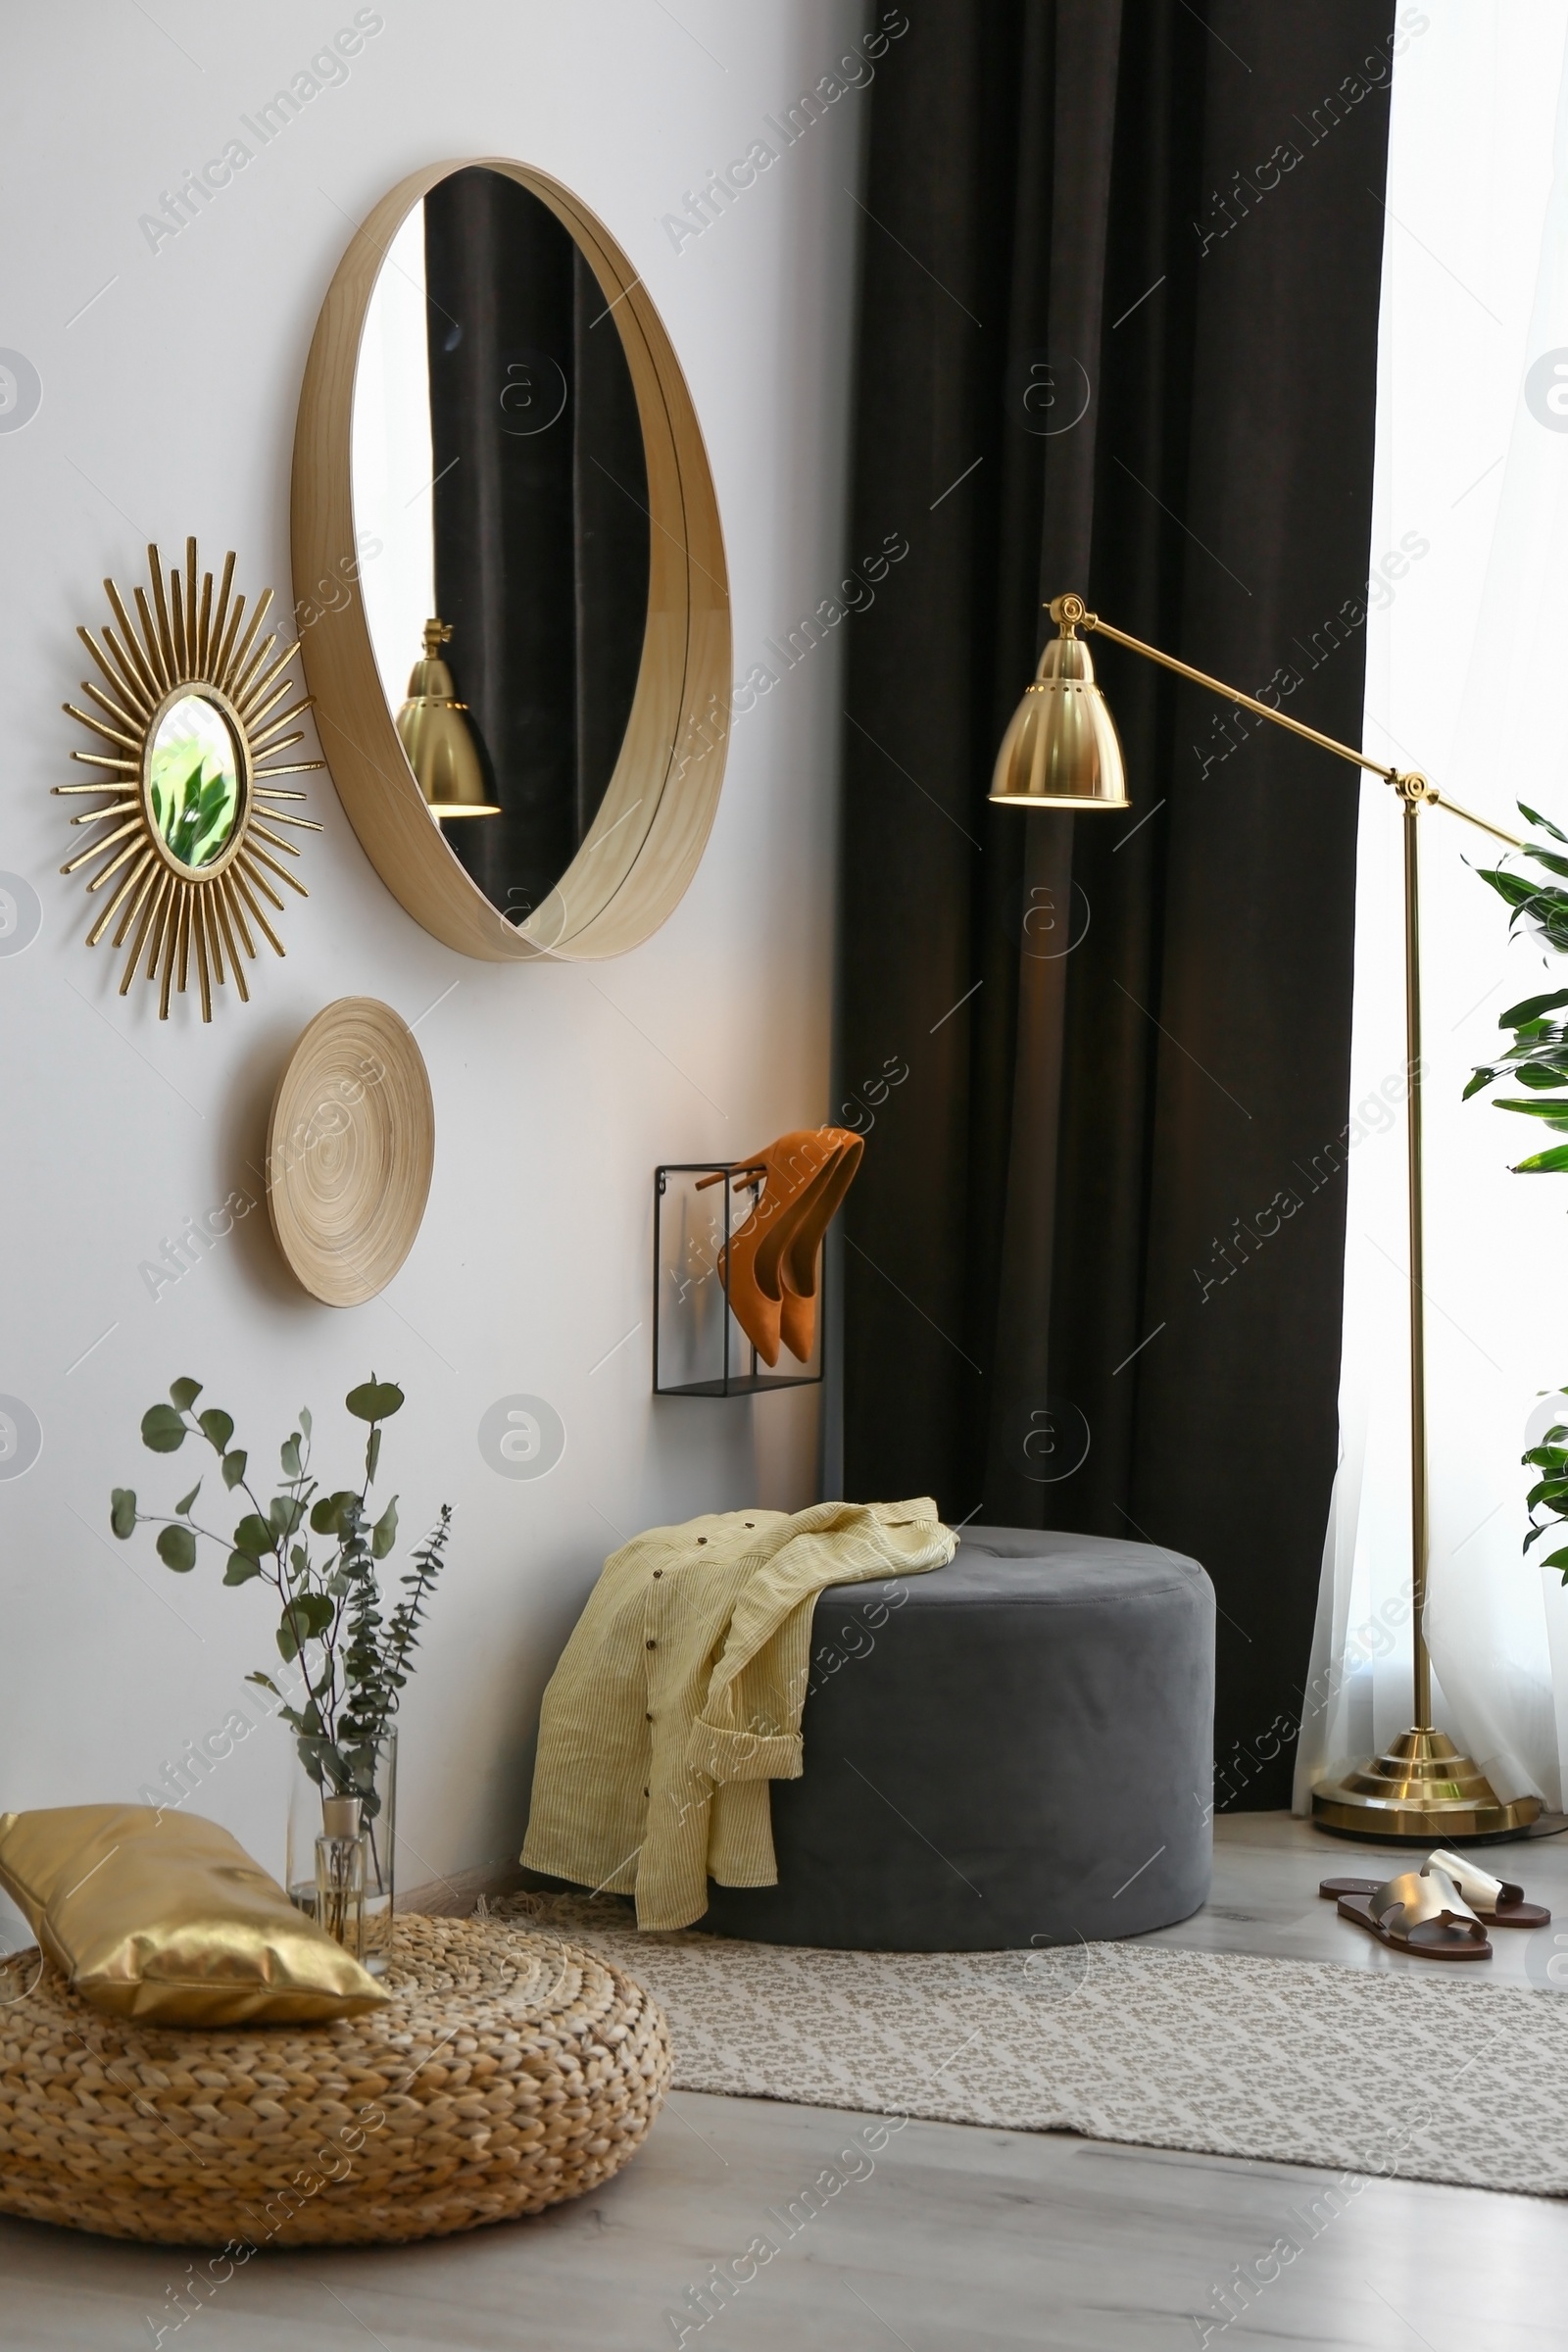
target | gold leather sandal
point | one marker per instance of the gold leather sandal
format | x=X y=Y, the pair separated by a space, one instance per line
x=1498 y=1902
x=1495 y=1901
x=1421 y=1912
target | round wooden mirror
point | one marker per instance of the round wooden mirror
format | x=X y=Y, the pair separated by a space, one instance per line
x=512 y=601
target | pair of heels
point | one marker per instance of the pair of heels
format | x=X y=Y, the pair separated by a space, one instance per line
x=770 y=1270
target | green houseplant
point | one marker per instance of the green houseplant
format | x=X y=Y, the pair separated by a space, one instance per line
x=1537 y=1060
x=353 y=1656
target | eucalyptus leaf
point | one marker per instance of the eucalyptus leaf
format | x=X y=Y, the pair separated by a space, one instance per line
x=234 y=1467
x=253 y=1535
x=327 y=1515
x=285 y=1512
x=385 y=1534
x=183 y=1507
x=176 y=1549
x=289 y=1455
x=122 y=1511
x=374 y=1400
x=372 y=1458
x=184 y=1393
x=242 y=1566
x=305 y=1419
x=161 y=1429
x=216 y=1427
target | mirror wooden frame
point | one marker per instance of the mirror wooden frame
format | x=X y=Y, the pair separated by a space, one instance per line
x=651 y=829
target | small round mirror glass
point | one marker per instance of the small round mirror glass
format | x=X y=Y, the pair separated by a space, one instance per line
x=501 y=528
x=193 y=786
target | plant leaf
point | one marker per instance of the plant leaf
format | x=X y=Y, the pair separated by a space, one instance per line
x=1554 y=1113
x=234 y=1467
x=285 y=1512
x=185 y=1392
x=305 y=1620
x=216 y=1427
x=242 y=1566
x=183 y=1507
x=1545 y=1164
x=327 y=1516
x=254 y=1534
x=1545 y=822
x=372 y=1458
x=122 y=1511
x=305 y=1419
x=161 y=1429
x=176 y=1549
x=289 y=1456
x=1531 y=1010
x=374 y=1400
x=266 y=1682
x=385 y=1534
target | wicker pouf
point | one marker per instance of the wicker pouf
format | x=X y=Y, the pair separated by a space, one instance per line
x=510 y=2071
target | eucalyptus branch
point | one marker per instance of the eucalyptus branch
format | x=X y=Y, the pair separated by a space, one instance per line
x=351 y=1662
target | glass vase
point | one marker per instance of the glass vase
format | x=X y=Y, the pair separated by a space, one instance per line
x=340 y=1858
x=372 y=1767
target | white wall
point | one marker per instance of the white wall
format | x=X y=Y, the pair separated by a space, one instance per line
x=167 y=408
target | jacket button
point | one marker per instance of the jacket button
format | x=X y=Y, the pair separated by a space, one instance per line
x=702 y=1539
x=648 y=1719
x=645 y=1793
x=658 y=1572
x=651 y=1644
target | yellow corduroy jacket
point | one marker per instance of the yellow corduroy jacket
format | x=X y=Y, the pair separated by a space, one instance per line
x=679 y=1695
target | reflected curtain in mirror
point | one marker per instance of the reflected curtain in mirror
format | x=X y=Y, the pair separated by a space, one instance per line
x=540 y=522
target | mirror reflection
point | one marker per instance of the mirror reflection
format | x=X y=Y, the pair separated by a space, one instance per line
x=193 y=781
x=500 y=501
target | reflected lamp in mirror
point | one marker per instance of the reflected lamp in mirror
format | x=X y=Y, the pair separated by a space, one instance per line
x=190 y=742
x=1061 y=749
x=437 y=733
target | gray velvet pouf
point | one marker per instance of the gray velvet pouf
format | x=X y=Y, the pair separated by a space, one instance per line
x=1019 y=1752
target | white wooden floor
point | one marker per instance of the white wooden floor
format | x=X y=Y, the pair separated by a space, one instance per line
x=960 y=2240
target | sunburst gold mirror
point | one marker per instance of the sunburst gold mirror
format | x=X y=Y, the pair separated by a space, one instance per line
x=191 y=742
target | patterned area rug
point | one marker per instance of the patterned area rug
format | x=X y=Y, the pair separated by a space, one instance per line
x=1291 y=2060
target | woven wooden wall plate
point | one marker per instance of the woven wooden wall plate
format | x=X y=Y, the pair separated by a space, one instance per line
x=350 y=1151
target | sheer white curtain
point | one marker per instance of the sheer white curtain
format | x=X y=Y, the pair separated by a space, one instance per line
x=1467 y=679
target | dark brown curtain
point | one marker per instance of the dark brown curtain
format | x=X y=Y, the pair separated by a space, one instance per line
x=1119 y=330
x=541 y=522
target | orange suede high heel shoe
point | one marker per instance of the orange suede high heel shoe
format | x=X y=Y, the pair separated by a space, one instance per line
x=800 y=1255
x=750 y=1268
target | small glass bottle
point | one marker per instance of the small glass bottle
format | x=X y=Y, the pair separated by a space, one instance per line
x=340 y=1874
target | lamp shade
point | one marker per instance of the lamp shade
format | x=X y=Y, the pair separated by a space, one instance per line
x=435 y=730
x=1062 y=750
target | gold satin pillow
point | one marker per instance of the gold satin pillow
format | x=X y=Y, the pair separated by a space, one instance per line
x=164 y=1916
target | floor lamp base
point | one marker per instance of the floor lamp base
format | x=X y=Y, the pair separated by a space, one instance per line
x=1422 y=1791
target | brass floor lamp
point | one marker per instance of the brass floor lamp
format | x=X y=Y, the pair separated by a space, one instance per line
x=1062 y=751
